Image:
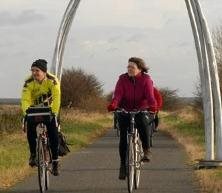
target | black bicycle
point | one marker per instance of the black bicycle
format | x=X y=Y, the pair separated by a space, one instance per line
x=44 y=156
x=134 y=152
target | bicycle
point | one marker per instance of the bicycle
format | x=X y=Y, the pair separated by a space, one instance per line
x=134 y=152
x=43 y=152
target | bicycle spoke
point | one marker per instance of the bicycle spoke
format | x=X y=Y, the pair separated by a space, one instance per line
x=130 y=166
x=138 y=157
x=41 y=166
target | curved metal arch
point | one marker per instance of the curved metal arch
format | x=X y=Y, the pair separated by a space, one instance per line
x=65 y=26
x=207 y=69
x=210 y=70
x=205 y=78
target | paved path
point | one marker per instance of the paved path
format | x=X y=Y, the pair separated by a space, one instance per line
x=95 y=170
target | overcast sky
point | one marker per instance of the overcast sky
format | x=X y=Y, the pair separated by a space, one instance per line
x=104 y=34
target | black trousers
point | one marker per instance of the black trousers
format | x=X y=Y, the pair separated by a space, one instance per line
x=52 y=131
x=144 y=129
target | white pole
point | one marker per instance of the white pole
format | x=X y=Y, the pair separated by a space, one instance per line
x=69 y=20
x=207 y=93
x=55 y=59
x=215 y=82
x=62 y=37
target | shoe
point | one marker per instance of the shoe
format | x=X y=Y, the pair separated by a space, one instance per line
x=55 y=167
x=122 y=172
x=147 y=156
x=32 y=160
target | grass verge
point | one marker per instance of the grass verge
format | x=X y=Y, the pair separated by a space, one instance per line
x=186 y=126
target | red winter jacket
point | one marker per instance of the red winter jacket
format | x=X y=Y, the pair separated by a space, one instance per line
x=158 y=98
x=134 y=93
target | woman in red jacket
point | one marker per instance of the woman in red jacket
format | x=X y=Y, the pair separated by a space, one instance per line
x=134 y=91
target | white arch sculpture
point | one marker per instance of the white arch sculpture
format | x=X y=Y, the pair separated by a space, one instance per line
x=207 y=69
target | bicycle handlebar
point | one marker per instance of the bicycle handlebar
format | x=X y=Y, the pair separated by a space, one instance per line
x=38 y=111
x=131 y=112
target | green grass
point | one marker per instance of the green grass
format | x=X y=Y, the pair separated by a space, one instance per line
x=188 y=128
x=10 y=122
x=13 y=152
x=79 y=133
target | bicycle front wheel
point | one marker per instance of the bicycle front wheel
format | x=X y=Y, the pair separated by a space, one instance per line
x=130 y=164
x=42 y=173
x=48 y=160
x=47 y=179
x=138 y=163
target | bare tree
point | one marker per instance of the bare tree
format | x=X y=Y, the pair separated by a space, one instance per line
x=217 y=40
x=170 y=98
x=81 y=90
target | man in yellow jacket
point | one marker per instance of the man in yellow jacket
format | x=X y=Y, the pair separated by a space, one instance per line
x=42 y=89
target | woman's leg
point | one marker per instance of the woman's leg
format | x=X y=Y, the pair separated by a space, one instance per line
x=53 y=138
x=144 y=128
x=31 y=136
x=142 y=123
x=124 y=123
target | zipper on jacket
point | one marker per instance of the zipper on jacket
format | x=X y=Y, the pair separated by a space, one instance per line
x=134 y=93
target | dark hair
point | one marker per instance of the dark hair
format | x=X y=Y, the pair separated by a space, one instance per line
x=140 y=63
x=41 y=64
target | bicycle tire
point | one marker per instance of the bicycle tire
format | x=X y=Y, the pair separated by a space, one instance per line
x=117 y=130
x=41 y=166
x=138 y=157
x=48 y=159
x=151 y=134
x=47 y=180
x=130 y=164
x=151 y=141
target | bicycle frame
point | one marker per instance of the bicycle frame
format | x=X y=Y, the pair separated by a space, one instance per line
x=134 y=152
x=44 y=157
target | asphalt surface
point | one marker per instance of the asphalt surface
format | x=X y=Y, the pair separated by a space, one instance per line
x=95 y=170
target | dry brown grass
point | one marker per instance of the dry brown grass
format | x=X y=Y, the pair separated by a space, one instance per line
x=13 y=160
x=210 y=179
x=10 y=108
x=77 y=115
x=11 y=176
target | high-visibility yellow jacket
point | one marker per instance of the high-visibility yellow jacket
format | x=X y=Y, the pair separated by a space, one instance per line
x=35 y=93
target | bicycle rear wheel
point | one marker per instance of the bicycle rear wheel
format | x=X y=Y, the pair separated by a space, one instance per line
x=117 y=130
x=130 y=164
x=41 y=166
x=47 y=180
x=151 y=134
x=138 y=157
